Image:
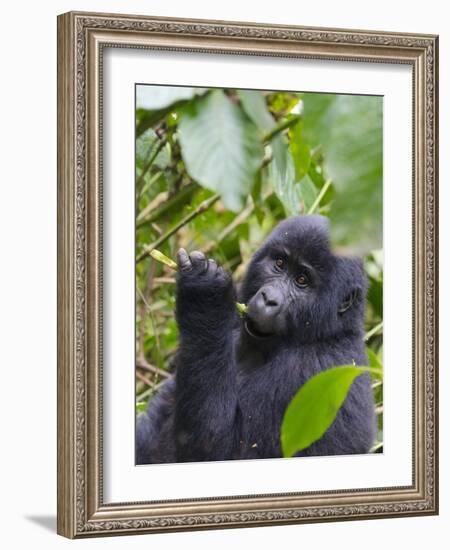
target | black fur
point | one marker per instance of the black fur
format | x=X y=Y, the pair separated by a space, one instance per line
x=235 y=377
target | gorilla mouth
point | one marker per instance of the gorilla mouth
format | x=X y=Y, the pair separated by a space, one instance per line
x=251 y=330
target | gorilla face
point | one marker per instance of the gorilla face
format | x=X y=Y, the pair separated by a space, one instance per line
x=287 y=283
x=297 y=287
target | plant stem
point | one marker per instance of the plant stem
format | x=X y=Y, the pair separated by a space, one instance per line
x=142 y=364
x=373 y=331
x=165 y=280
x=142 y=309
x=283 y=125
x=319 y=197
x=150 y=162
x=377 y=446
x=144 y=379
x=150 y=182
x=184 y=193
x=163 y=238
x=149 y=391
x=148 y=307
x=240 y=218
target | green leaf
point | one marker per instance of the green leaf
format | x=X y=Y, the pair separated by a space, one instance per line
x=315 y=406
x=145 y=144
x=257 y=188
x=282 y=177
x=140 y=407
x=148 y=119
x=374 y=360
x=221 y=147
x=296 y=197
x=308 y=192
x=242 y=308
x=260 y=215
x=254 y=104
x=282 y=103
x=155 y=98
x=375 y=296
x=350 y=130
x=282 y=168
x=300 y=151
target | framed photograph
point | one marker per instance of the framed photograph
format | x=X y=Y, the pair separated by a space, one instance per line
x=247 y=274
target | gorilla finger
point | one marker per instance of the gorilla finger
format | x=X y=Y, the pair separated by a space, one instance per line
x=222 y=274
x=212 y=266
x=198 y=260
x=183 y=260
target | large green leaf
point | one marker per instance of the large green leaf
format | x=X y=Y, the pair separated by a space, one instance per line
x=296 y=196
x=289 y=163
x=221 y=147
x=315 y=406
x=350 y=130
x=282 y=177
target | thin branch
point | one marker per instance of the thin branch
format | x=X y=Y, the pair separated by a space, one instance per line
x=152 y=320
x=163 y=238
x=373 y=331
x=319 y=197
x=142 y=310
x=283 y=125
x=171 y=202
x=160 y=198
x=238 y=220
x=164 y=281
x=153 y=156
x=376 y=447
x=143 y=364
x=153 y=179
x=149 y=391
x=144 y=379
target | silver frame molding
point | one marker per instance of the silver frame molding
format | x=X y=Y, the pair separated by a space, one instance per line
x=81 y=38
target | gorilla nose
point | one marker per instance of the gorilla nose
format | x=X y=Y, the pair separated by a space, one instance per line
x=271 y=299
x=264 y=309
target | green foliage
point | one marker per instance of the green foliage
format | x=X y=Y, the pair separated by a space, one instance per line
x=350 y=131
x=315 y=406
x=221 y=147
x=140 y=406
x=216 y=170
x=242 y=308
x=155 y=98
x=300 y=151
x=282 y=177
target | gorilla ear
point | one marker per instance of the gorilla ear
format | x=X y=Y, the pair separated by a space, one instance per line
x=349 y=301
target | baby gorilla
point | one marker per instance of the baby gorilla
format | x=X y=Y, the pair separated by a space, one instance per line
x=235 y=376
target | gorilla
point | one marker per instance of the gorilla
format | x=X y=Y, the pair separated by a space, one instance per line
x=235 y=375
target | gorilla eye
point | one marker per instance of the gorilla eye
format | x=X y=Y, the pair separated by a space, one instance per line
x=302 y=280
x=279 y=263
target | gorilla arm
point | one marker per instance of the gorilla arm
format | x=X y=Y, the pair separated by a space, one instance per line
x=206 y=395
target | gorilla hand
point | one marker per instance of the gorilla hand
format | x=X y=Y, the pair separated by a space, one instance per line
x=204 y=293
x=196 y=271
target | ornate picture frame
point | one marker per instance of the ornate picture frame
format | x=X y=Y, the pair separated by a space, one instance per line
x=82 y=38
